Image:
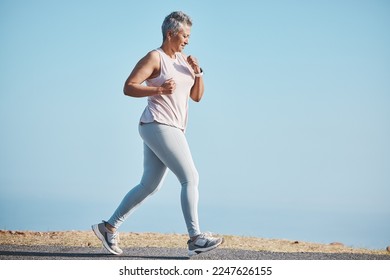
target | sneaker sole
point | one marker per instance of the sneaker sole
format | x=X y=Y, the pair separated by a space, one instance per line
x=203 y=250
x=95 y=229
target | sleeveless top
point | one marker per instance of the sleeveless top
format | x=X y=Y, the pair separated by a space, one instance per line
x=170 y=109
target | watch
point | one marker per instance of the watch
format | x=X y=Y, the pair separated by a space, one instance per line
x=200 y=74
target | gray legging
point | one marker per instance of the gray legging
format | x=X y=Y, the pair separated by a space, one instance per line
x=164 y=147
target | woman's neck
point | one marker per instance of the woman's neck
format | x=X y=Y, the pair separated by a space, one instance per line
x=168 y=50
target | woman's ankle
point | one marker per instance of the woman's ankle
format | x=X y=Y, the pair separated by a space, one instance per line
x=109 y=227
x=193 y=238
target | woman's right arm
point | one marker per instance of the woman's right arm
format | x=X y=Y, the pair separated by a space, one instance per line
x=147 y=67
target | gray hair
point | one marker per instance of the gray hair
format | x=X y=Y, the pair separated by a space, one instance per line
x=174 y=22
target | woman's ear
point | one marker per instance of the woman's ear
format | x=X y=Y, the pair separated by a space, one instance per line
x=169 y=34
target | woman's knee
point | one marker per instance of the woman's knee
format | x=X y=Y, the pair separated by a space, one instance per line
x=191 y=180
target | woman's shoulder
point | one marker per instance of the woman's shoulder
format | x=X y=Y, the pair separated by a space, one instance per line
x=151 y=58
x=153 y=54
x=183 y=55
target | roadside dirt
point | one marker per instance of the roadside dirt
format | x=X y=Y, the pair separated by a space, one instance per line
x=128 y=239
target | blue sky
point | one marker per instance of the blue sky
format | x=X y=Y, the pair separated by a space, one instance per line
x=291 y=139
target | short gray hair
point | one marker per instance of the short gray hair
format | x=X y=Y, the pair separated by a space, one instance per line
x=174 y=21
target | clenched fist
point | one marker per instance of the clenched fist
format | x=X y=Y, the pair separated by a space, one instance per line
x=193 y=62
x=168 y=87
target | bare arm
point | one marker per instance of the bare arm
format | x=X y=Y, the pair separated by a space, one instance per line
x=147 y=67
x=197 y=89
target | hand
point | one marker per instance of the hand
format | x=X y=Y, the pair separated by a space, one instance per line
x=168 y=87
x=193 y=62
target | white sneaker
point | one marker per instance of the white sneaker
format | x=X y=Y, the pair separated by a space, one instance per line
x=109 y=240
x=203 y=243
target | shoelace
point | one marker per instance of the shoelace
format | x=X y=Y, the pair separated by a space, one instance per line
x=206 y=235
x=113 y=237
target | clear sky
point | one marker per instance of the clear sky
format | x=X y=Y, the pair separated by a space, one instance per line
x=291 y=139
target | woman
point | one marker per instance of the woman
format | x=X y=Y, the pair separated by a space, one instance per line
x=171 y=79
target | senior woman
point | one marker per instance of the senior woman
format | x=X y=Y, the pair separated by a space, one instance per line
x=171 y=79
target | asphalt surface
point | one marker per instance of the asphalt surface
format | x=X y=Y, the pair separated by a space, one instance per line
x=11 y=252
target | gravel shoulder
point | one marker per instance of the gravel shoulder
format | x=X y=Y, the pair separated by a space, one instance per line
x=81 y=245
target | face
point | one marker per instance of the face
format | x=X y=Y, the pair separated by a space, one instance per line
x=181 y=39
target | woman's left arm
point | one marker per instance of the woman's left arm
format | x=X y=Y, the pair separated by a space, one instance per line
x=197 y=89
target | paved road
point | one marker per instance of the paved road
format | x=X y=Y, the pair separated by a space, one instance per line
x=10 y=252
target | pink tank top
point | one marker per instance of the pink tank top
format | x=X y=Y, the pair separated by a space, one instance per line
x=170 y=109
